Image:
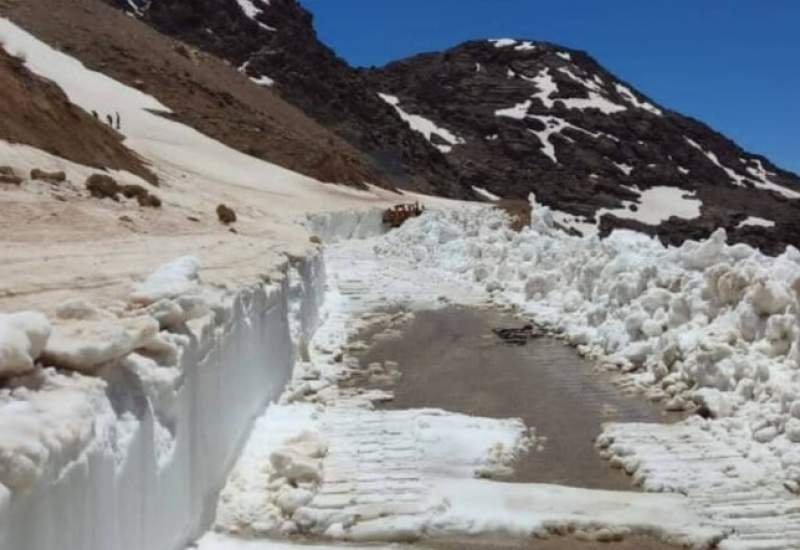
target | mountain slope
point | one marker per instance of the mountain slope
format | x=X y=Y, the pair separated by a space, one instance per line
x=504 y=118
x=35 y=112
x=275 y=43
x=200 y=90
x=535 y=117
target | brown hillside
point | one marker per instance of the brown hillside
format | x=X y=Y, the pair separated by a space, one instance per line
x=204 y=92
x=35 y=112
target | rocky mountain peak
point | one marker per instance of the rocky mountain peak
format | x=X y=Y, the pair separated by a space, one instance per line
x=529 y=116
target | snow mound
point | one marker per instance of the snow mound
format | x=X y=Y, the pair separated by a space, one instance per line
x=23 y=336
x=86 y=345
x=686 y=320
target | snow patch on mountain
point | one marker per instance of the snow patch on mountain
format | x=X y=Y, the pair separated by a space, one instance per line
x=590 y=84
x=759 y=175
x=502 y=42
x=653 y=207
x=485 y=193
x=263 y=80
x=525 y=46
x=424 y=126
x=624 y=168
x=252 y=11
x=625 y=92
x=755 y=221
x=657 y=205
x=547 y=87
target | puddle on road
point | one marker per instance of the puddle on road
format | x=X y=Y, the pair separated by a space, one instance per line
x=450 y=359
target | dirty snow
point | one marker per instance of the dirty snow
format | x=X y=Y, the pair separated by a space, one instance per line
x=424 y=126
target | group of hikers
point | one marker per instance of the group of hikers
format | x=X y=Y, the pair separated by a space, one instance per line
x=110 y=120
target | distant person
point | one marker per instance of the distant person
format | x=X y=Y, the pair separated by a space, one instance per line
x=119 y=123
x=110 y=120
x=95 y=115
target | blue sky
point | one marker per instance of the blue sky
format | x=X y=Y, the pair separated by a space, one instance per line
x=734 y=64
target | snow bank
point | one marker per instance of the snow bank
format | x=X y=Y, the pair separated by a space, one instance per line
x=344 y=225
x=135 y=456
x=705 y=323
x=22 y=338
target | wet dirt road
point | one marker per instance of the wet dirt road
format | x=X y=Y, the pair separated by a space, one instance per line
x=450 y=359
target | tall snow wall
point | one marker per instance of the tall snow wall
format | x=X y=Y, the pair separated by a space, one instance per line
x=346 y=224
x=159 y=450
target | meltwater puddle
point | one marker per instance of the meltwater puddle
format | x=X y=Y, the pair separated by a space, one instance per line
x=450 y=359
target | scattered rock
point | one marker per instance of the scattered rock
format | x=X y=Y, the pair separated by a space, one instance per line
x=142 y=195
x=133 y=191
x=49 y=177
x=149 y=201
x=193 y=219
x=7 y=175
x=314 y=239
x=226 y=214
x=518 y=336
x=182 y=50
x=102 y=186
x=125 y=219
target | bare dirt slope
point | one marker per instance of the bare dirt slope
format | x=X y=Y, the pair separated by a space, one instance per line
x=36 y=112
x=202 y=91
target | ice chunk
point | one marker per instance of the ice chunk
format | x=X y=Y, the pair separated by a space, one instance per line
x=23 y=336
x=169 y=281
x=87 y=345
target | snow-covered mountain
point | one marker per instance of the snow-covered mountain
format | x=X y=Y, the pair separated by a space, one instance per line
x=504 y=118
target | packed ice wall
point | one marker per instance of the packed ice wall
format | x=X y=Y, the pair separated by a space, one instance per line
x=702 y=324
x=128 y=445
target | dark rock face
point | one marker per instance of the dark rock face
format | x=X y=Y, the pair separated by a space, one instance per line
x=507 y=117
x=535 y=117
